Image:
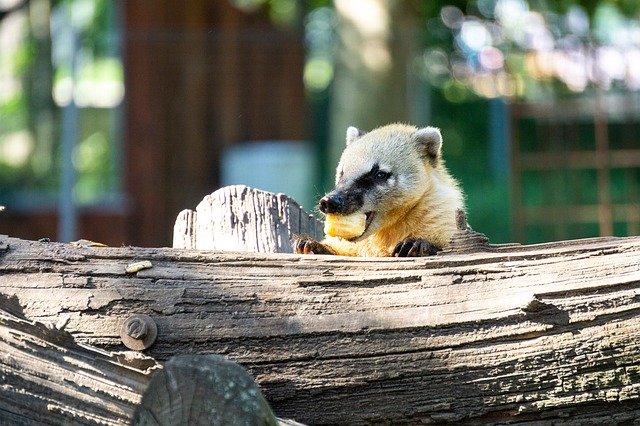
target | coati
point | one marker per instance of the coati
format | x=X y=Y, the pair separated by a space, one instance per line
x=394 y=175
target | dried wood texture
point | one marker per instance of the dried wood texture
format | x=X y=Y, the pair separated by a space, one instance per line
x=239 y=218
x=47 y=378
x=203 y=390
x=544 y=333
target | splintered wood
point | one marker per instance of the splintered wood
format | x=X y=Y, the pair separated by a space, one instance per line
x=546 y=332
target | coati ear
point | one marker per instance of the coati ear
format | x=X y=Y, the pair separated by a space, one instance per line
x=353 y=133
x=429 y=141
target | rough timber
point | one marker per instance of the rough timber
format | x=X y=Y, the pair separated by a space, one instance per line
x=536 y=332
x=479 y=334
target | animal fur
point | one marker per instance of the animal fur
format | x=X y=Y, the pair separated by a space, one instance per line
x=395 y=174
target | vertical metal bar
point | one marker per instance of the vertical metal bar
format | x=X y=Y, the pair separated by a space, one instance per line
x=67 y=209
x=631 y=175
x=116 y=19
x=605 y=213
x=558 y=176
x=517 y=207
x=498 y=137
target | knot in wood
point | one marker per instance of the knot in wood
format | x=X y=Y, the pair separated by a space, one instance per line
x=461 y=220
x=465 y=239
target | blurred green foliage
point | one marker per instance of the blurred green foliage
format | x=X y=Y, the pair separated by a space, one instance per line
x=465 y=130
x=36 y=69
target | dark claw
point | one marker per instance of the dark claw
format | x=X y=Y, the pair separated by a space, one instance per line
x=402 y=248
x=304 y=245
x=414 y=248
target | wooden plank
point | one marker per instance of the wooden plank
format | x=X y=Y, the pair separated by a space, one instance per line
x=617 y=107
x=579 y=213
x=509 y=334
x=576 y=160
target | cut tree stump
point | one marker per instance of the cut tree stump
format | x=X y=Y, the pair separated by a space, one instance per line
x=545 y=333
x=203 y=390
x=240 y=218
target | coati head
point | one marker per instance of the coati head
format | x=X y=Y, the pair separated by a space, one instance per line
x=384 y=173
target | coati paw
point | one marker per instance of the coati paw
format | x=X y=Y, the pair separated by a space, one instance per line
x=412 y=247
x=304 y=245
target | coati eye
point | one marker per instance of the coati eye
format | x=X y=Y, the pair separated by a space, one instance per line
x=380 y=175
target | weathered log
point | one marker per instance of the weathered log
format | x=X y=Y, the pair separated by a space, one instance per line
x=47 y=378
x=546 y=332
x=240 y=218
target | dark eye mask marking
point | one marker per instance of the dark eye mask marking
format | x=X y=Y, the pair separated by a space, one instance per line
x=369 y=179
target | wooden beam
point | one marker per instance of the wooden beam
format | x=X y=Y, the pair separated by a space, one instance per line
x=519 y=333
x=579 y=160
x=579 y=214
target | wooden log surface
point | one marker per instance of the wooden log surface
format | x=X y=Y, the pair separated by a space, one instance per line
x=546 y=332
x=48 y=378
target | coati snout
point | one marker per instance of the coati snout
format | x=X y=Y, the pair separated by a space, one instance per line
x=331 y=203
x=341 y=202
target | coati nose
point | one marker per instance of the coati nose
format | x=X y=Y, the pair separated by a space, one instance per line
x=331 y=203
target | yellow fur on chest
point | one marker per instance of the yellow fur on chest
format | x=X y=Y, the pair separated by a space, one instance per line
x=431 y=219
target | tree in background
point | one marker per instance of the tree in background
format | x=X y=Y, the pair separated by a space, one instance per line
x=376 y=42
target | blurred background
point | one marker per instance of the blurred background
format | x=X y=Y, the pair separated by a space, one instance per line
x=116 y=115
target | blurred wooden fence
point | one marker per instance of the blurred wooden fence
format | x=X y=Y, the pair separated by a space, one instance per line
x=576 y=168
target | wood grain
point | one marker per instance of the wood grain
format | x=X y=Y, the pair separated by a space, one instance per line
x=47 y=378
x=542 y=333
